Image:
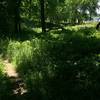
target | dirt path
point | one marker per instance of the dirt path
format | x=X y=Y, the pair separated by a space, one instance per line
x=10 y=69
x=17 y=83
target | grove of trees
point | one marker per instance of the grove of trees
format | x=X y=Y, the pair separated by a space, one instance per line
x=54 y=47
x=14 y=12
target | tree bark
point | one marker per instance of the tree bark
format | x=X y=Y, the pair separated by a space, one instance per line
x=14 y=17
x=43 y=24
x=17 y=17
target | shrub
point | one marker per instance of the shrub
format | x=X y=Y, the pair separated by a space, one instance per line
x=59 y=69
x=1 y=67
x=3 y=47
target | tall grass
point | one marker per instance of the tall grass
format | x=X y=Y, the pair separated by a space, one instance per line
x=59 y=67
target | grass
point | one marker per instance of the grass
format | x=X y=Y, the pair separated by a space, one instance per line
x=60 y=65
x=1 y=67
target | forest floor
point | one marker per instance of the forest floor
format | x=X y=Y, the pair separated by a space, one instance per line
x=10 y=70
x=17 y=83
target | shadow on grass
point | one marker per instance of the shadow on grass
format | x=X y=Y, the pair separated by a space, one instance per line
x=25 y=34
x=7 y=87
x=64 y=65
x=66 y=68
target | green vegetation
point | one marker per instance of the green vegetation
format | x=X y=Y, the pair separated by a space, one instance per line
x=54 y=46
x=1 y=67
x=63 y=65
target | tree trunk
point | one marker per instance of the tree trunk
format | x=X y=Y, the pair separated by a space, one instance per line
x=43 y=24
x=14 y=17
x=11 y=16
x=17 y=17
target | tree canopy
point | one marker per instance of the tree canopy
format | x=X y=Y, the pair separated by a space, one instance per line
x=13 y=13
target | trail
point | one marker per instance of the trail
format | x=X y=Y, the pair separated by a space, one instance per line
x=10 y=70
x=18 y=85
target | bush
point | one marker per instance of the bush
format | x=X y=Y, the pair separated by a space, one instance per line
x=1 y=67
x=59 y=69
x=3 y=47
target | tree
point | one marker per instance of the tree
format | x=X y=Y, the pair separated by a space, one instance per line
x=3 y=17
x=13 y=10
x=43 y=16
x=17 y=16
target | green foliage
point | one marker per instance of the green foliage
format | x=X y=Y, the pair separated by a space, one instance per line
x=3 y=17
x=64 y=63
x=59 y=67
x=1 y=67
x=16 y=14
x=3 y=46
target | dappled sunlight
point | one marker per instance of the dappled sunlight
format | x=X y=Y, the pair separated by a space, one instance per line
x=49 y=50
x=64 y=61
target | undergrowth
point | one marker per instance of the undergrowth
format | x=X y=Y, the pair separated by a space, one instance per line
x=60 y=65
